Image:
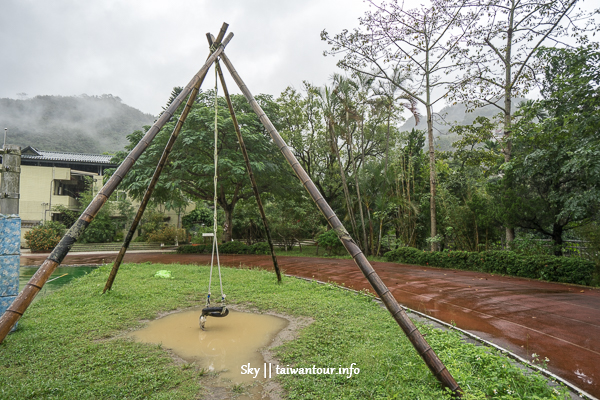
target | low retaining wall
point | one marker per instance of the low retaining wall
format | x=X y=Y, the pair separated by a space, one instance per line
x=10 y=244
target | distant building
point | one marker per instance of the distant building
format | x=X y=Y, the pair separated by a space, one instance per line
x=51 y=178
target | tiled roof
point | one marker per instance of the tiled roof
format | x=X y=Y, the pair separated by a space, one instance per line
x=31 y=153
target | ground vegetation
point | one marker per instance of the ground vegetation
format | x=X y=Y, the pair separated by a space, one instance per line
x=72 y=344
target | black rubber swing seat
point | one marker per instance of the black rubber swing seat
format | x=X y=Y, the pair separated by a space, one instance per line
x=221 y=311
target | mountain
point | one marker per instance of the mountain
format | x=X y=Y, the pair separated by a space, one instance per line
x=453 y=115
x=78 y=124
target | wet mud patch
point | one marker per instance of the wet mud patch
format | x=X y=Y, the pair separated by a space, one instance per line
x=244 y=338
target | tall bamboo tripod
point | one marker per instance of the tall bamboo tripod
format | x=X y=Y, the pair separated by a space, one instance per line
x=16 y=310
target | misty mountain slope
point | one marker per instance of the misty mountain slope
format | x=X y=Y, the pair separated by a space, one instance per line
x=453 y=115
x=79 y=124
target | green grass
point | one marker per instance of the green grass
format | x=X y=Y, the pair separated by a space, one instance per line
x=66 y=348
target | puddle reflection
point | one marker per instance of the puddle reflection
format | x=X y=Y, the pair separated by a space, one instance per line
x=225 y=345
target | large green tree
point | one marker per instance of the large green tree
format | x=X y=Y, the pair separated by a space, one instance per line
x=189 y=172
x=552 y=181
x=500 y=63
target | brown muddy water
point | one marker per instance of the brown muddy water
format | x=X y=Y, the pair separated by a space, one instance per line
x=225 y=346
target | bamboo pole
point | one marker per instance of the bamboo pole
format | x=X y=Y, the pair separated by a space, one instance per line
x=11 y=178
x=35 y=284
x=238 y=132
x=156 y=175
x=417 y=340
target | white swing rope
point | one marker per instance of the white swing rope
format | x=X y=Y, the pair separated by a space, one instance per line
x=215 y=247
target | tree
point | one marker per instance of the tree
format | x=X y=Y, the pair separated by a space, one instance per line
x=112 y=218
x=501 y=63
x=331 y=103
x=333 y=131
x=347 y=91
x=303 y=128
x=389 y=96
x=552 y=181
x=190 y=168
x=419 y=42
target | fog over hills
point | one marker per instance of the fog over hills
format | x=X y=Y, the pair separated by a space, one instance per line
x=79 y=124
x=453 y=115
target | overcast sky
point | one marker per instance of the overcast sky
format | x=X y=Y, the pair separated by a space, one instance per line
x=140 y=49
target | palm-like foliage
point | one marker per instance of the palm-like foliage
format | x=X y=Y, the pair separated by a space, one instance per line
x=391 y=100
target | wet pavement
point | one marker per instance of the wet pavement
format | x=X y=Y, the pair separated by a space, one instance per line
x=555 y=321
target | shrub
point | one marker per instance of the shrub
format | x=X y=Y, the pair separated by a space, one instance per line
x=193 y=249
x=45 y=237
x=167 y=235
x=330 y=241
x=550 y=268
x=226 y=248
x=259 y=248
x=234 y=248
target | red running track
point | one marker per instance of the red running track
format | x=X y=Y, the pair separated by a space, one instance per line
x=557 y=321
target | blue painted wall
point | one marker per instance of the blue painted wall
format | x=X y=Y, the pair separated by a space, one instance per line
x=10 y=248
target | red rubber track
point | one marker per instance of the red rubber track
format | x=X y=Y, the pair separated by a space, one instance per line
x=557 y=321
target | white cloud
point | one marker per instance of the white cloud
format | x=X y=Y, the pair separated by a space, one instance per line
x=140 y=50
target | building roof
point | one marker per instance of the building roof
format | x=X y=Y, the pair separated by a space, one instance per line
x=30 y=153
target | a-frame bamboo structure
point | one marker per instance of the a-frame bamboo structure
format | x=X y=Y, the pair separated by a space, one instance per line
x=19 y=306
x=163 y=160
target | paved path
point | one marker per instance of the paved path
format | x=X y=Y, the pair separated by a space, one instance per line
x=560 y=322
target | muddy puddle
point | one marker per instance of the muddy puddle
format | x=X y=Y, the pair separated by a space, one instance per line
x=224 y=347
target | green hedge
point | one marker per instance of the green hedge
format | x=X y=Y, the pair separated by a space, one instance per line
x=227 y=248
x=549 y=268
x=193 y=249
x=260 y=248
x=233 y=247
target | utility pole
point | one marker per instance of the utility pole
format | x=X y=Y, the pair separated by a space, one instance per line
x=10 y=224
x=11 y=172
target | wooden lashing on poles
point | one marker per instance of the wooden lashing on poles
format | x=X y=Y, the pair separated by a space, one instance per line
x=37 y=281
x=157 y=172
x=418 y=341
x=240 y=139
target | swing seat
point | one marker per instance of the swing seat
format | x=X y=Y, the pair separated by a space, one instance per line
x=221 y=311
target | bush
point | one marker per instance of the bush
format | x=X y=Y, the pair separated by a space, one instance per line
x=167 y=235
x=259 y=248
x=330 y=241
x=226 y=248
x=45 y=237
x=193 y=249
x=102 y=229
x=549 y=268
x=234 y=248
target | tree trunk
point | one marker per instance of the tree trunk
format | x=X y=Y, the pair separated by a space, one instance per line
x=387 y=143
x=344 y=183
x=510 y=231
x=432 y=182
x=362 y=217
x=228 y=226
x=557 y=240
x=371 y=237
